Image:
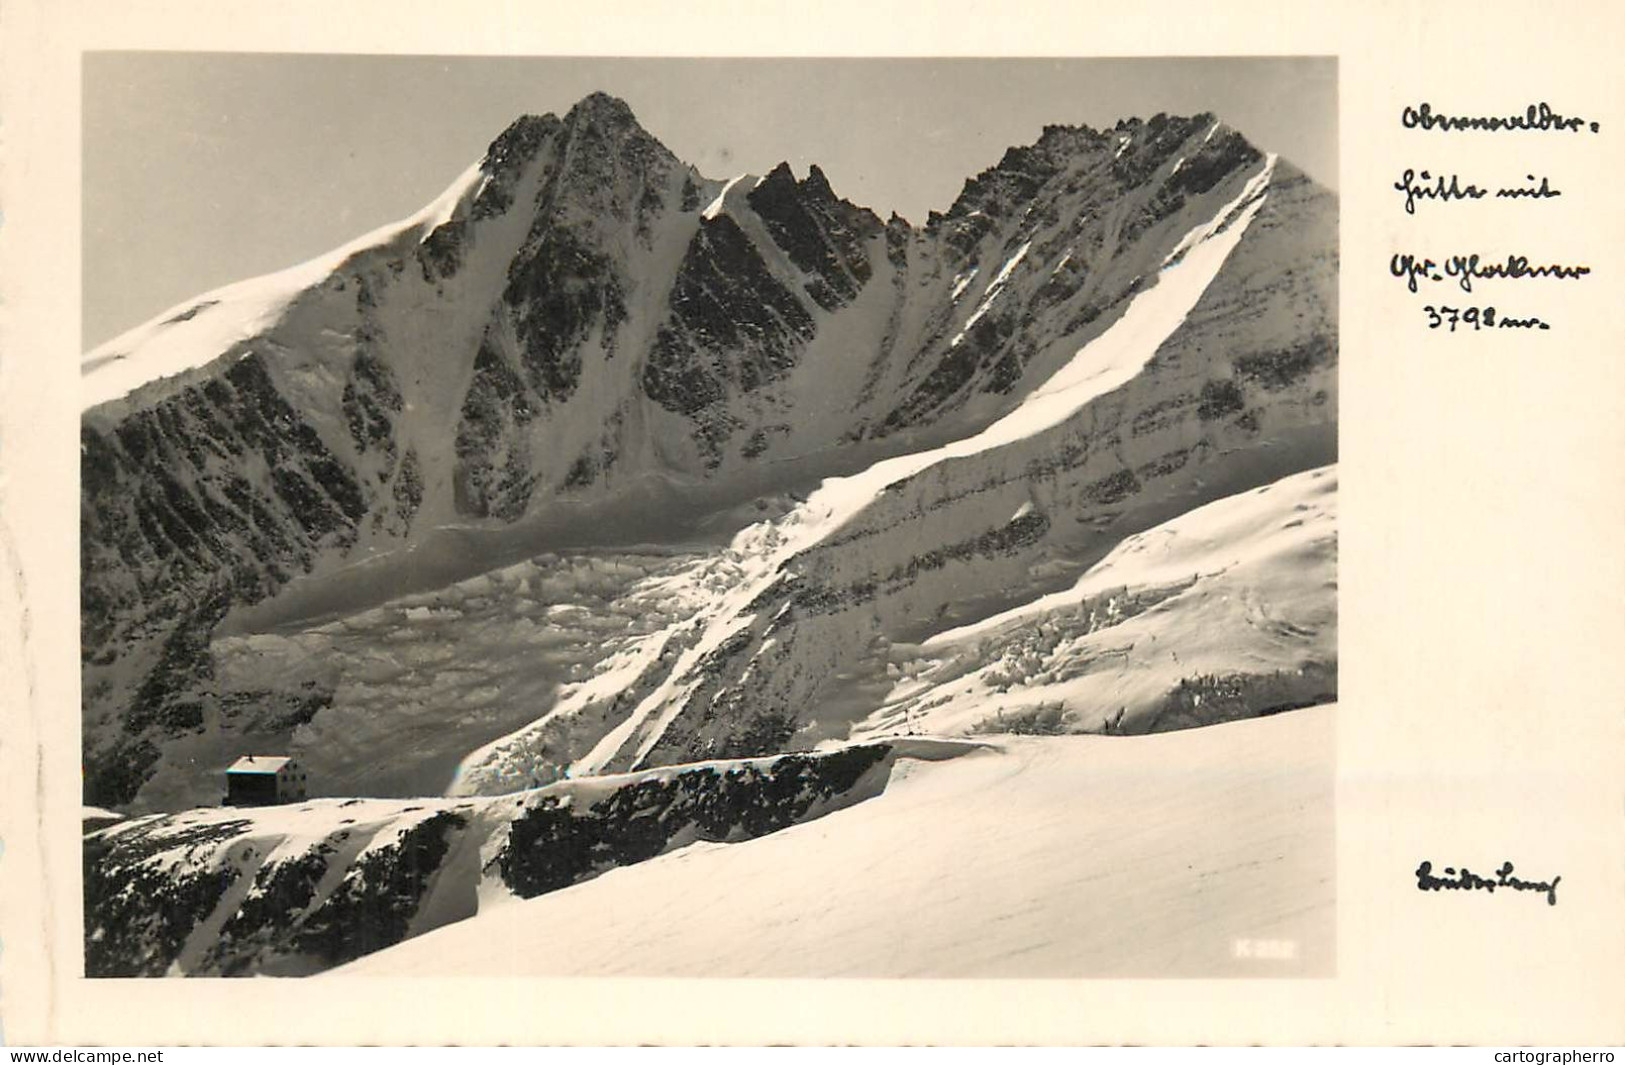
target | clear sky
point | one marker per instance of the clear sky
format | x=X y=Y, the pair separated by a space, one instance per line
x=201 y=169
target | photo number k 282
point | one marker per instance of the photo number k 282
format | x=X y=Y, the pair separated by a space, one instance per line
x=1476 y=318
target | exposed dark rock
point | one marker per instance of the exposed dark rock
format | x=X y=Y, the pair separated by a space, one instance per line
x=898 y=236
x=1212 y=699
x=732 y=325
x=172 y=533
x=374 y=904
x=553 y=846
x=558 y=293
x=506 y=157
x=371 y=400
x=441 y=253
x=1275 y=370
x=822 y=235
x=977 y=352
x=1220 y=398
x=408 y=488
x=494 y=464
x=137 y=917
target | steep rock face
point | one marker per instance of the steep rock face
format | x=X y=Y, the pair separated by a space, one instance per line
x=582 y=320
x=387 y=390
x=733 y=329
x=825 y=237
x=561 y=310
x=1032 y=255
x=294 y=890
x=221 y=493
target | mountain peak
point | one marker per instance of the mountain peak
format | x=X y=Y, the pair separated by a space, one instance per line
x=558 y=342
x=816 y=184
x=602 y=107
x=516 y=144
x=780 y=174
x=605 y=120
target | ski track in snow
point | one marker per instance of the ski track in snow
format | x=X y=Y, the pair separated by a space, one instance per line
x=1107 y=362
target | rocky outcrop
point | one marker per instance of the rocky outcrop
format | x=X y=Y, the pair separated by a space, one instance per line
x=733 y=326
x=825 y=237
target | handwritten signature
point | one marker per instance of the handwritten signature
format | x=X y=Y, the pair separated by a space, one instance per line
x=1464 y=879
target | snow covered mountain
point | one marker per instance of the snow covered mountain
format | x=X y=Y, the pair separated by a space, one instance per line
x=599 y=464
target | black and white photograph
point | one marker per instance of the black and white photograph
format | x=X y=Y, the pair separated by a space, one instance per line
x=878 y=524
x=709 y=517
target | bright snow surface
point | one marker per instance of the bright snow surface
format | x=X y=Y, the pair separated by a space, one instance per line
x=200 y=330
x=1057 y=856
x=716 y=205
x=1245 y=584
x=993 y=289
x=1254 y=188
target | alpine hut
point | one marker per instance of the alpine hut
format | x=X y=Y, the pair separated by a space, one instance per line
x=264 y=780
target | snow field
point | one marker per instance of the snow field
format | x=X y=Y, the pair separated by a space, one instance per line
x=1069 y=856
x=1246 y=584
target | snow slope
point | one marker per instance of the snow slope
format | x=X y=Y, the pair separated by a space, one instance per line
x=1238 y=393
x=193 y=333
x=291 y=890
x=1243 y=589
x=1075 y=856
